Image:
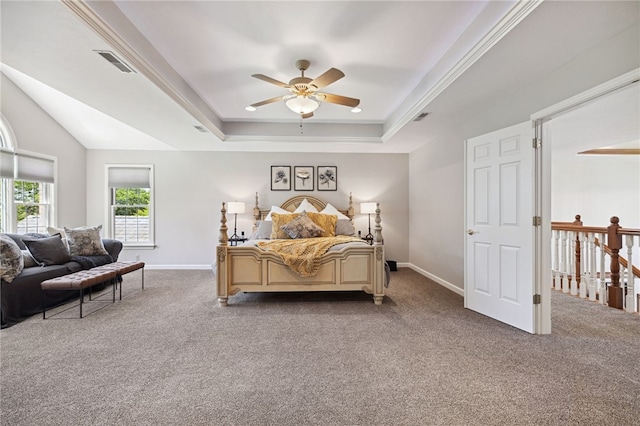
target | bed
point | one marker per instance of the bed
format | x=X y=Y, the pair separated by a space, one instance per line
x=357 y=265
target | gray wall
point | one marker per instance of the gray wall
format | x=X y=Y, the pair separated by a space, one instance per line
x=190 y=187
x=37 y=132
x=436 y=193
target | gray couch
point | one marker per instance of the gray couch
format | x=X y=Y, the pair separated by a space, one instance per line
x=22 y=297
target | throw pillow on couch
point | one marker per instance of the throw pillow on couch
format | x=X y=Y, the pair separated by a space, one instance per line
x=11 y=262
x=82 y=241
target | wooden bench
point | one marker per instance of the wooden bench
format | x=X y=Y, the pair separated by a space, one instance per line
x=121 y=268
x=80 y=281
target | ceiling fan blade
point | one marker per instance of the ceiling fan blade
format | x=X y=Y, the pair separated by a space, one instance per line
x=307 y=115
x=268 y=101
x=270 y=80
x=326 y=79
x=337 y=99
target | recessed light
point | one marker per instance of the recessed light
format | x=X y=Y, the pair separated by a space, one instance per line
x=250 y=108
x=356 y=110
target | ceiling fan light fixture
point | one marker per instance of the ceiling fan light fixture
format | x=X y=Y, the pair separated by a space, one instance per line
x=356 y=110
x=302 y=105
x=250 y=108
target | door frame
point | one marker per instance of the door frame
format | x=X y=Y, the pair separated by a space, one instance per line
x=542 y=249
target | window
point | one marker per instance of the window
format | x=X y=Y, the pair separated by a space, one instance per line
x=130 y=189
x=26 y=189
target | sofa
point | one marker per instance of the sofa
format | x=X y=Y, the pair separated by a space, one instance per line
x=45 y=257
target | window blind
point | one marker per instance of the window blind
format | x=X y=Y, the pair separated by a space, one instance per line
x=7 y=168
x=34 y=169
x=130 y=177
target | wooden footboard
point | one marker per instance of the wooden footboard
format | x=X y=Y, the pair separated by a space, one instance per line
x=251 y=269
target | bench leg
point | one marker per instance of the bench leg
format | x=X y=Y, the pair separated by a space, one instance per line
x=82 y=299
x=142 y=278
x=43 y=305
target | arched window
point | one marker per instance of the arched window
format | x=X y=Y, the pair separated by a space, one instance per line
x=26 y=187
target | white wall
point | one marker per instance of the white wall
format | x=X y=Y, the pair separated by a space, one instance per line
x=436 y=191
x=37 y=132
x=596 y=187
x=190 y=187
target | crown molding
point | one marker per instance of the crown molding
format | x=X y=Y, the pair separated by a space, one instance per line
x=515 y=15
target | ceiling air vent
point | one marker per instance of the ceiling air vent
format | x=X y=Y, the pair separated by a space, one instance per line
x=201 y=129
x=115 y=61
x=421 y=116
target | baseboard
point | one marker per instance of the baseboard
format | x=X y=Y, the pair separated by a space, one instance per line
x=446 y=284
x=167 y=267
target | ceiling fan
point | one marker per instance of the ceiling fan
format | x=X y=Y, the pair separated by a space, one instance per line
x=304 y=97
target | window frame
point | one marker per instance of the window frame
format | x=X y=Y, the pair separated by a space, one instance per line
x=110 y=207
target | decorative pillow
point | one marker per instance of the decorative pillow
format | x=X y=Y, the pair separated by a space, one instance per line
x=302 y=227
x=11 y=263
x=278 y=220
x=85 y=241
x=325 y=221
x=53 y=231
x=305 y=206
x=28 y=260
x=276 y=209
x=345 y=227
x=48 y=251
x=263 y=230
x=329 y=209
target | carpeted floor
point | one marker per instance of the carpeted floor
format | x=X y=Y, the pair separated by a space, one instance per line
x=170 y=356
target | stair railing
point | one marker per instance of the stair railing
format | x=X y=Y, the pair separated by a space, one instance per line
x=579 y=262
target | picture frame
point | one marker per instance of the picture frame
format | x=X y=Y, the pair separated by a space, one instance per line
x=281 y=178
x=327 y=178
x=303 y=178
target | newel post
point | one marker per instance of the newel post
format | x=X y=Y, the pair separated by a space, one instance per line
x=614 y=241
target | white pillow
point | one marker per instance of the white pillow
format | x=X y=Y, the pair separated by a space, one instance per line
x=329 y=209
x=305 y=206
x=276 y=209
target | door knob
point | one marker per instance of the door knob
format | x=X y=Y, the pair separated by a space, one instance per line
x=470 y=231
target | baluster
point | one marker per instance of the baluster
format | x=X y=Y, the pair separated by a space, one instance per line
x=564 y=265
x=573 y=284
x=592 y=266
x=582 y=282
x=614 y=241
x=602 y=278
x=556 y=261
x=630 y=288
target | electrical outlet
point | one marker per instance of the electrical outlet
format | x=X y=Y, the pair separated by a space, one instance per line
x=137 y=258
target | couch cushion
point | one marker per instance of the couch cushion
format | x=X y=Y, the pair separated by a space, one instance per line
x=11 y=262
x=28 y=259
x=48 y=251
x=85 y=241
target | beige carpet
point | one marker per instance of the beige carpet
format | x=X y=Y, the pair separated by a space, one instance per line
x=170 y=356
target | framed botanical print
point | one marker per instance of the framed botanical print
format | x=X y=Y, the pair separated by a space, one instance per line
x=281 y=178
x=303 y=178
x=327 y=178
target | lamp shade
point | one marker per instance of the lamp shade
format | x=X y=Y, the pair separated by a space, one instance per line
x=235 y=207
x=368 y=208
x=302 y=105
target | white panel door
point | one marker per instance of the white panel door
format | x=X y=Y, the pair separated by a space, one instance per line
x=499 y=248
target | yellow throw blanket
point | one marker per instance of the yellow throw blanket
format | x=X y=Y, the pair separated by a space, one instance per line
x=303 y=255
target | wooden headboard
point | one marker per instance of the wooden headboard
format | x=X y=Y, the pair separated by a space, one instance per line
x=292 y=203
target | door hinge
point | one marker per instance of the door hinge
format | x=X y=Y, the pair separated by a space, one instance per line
x=537 y=299
x=536 y=143
x=537 y=221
